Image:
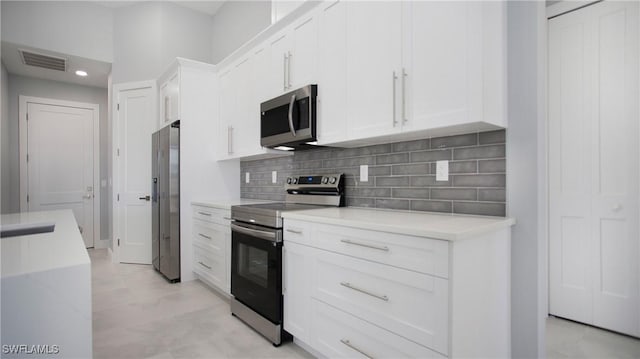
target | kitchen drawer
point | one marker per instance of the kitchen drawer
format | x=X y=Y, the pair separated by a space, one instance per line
x=211 y=236
x=297 y=231
x=424 y=255
x=212 y=268
x=337 y=334
x=213 y=215
x=410 y=304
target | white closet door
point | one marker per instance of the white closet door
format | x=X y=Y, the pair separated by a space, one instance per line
x=594 y=160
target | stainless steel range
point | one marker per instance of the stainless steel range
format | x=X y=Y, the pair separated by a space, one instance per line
x=256 y=252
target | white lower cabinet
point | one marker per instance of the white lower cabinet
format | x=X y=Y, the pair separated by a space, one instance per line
x=348 y=293
x=212 y=247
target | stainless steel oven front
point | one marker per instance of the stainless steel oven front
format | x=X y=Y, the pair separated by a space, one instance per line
x=256 y=278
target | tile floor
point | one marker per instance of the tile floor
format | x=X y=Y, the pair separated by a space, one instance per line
x=567 y=339
x=138 y=314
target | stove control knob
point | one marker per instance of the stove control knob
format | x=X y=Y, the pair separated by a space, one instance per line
x=295 y=180
x=288 y=180
x=333 y=180
x=325 y=180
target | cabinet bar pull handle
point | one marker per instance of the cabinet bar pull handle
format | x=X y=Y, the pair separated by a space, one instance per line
x=230 y=139
x=289 y=68
x=404 y=92
x=348 y=343
x=204 y=236
x=204 y=265
x=350 y=286
x=284 y=73
x=380 y=248
x=294 y=231
x=205 y=214
x=393 y=86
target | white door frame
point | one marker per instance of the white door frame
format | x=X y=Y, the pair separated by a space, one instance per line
x=24 y=184
x=115 y=135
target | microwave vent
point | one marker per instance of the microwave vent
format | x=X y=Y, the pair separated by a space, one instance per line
x=44 y=61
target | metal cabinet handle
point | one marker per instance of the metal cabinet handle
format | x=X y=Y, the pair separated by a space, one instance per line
x=393 y=86
x=204 y=236
x=294 y=231
x=284 y=73
x=87 y=196
x=348 y=343
x=228 y=218
x=230 y=139
x=205 y=214
x=289 y=69
x=204 y=265
x=404 y=92
x=293 y=101
x=350 y=286
x=145 y=198
x=380 y=248
x=617 y=207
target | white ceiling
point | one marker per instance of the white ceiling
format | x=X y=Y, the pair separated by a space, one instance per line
x=207 y=7
x=98 y=71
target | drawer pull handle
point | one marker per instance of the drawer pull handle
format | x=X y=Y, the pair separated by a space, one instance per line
x=348 y=343
x=205 y=214
x=380 y=248
x=294 y=231
x=204 y=265
x=350 y=286
x=204 y=236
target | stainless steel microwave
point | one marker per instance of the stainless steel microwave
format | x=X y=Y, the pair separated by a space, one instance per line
x=289 y=120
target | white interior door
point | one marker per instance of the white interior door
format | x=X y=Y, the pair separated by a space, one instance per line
x=135 y=124
x=594 y=166
x=60 y=162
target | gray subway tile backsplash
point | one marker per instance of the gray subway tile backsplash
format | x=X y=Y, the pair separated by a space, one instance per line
x=401 y=175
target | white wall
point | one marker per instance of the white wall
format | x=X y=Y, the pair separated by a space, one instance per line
x=5 y=180
x=235 y=23
x=19 y=85
x=149 y=35
x=526 y=42
x=78 y=28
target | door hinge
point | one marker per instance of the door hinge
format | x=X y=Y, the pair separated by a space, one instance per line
x=27 y=198
x=27 y=116
x=118 y=107
x=117 y=152
x=27 y=157
x=118 y=197
x=118 y=242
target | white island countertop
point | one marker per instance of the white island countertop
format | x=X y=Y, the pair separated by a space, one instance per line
x=449 y=227
x=227 y=203
x=27 y=254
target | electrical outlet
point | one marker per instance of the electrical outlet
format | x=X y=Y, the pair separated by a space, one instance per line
x=442 y=170
x=274 y=176
x=364 y=173
x=246 y=177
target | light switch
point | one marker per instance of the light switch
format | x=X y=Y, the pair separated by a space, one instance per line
x=246 y=177
x=364 y=173
x=274 y=176
x=442 y=170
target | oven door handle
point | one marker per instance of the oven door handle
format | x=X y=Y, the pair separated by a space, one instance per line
x=270 y=236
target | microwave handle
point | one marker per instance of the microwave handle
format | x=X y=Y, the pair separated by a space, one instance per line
x=293 y=100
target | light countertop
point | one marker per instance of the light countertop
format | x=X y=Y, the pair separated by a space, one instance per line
x=227 y=203
x=61 y=248
x=422 y=224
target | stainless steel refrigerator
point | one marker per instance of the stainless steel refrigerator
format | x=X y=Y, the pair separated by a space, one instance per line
x=165 y=181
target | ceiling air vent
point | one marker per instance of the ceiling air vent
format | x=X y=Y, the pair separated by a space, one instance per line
x=44 y=61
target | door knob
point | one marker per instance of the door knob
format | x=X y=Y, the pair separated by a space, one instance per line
x=87 y=196
x=616 y=208
x=145 y=198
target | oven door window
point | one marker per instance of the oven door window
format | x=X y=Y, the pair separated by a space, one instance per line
x=256 y=274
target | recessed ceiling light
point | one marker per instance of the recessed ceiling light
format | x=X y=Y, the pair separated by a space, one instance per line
x=81 y=73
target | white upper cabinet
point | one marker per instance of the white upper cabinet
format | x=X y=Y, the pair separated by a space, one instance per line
x=170 y=99
x=374 y=55
x=332 y=72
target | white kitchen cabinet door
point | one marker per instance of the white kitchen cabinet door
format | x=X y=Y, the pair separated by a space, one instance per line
x=170 y=99
x=332 y=72
x=442 y=62
x=227 y=107
x=374 y=43
x=242 y=142
x=279 y=49
x=594 y=166
x=297 y=289
x=304 y=52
